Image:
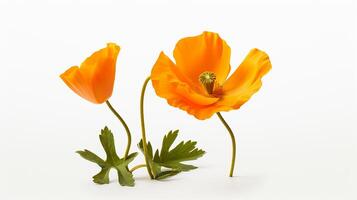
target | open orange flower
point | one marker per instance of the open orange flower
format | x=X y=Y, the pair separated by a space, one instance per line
x=198 y=82
x=94 y=79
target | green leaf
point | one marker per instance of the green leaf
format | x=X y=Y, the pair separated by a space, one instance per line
x=156 y=169
x=103 y=176
x=88 y=155
x=107 y=139
x=172 y=158
x=125 y=177
x=166 y=174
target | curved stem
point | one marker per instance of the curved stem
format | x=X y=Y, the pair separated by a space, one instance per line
x=125 y=126
x=145 y=148
x=233 y=142
x=137 y=167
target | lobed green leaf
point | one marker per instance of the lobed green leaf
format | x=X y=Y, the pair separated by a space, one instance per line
x=172 y=158
x=125 y=177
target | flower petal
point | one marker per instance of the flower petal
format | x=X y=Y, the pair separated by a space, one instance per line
x=199 y=112
x=99 y=68
x=172 y=85
x=237 y=90
x=205 y=52
x=246 y=80
x=74 y=80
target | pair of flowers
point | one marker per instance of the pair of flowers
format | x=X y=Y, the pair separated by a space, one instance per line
x=197 y=83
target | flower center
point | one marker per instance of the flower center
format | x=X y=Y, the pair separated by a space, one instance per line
x=208 y=81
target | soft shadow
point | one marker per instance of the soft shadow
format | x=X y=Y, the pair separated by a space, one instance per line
x=147 y=178
x=235 y=186
x=249 y=183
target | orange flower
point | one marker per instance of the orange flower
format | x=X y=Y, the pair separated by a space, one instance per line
x=94 y=79
x=198 y=82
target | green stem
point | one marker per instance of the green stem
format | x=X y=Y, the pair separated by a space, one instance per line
x=137 y=167
x=145 y=148
x=125 y=126
x=233 y=142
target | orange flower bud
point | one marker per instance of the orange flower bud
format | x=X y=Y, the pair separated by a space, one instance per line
x=94 y=79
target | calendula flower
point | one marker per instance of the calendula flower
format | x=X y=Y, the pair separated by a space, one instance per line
x=94 y=79
x=197 y=82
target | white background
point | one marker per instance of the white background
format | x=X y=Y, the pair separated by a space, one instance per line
x=296 y=136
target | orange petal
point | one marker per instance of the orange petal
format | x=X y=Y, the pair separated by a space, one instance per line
x=237 y=90
x=100 y=70
x=205 y=52
x=246 y=80
x=170 y=84
x=94 y=79
x=74 y=80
